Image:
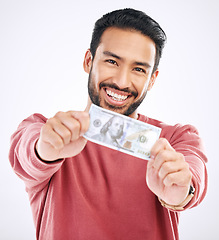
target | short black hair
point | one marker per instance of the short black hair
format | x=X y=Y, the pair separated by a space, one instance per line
x=129 y=18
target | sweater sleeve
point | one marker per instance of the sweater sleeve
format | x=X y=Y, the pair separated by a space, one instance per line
x=23 y=159
x=186 y=140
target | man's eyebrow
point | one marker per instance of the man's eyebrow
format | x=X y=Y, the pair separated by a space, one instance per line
x=144 y=64
x=110 y=54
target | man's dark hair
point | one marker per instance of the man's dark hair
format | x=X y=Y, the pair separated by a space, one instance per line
x=130 y=19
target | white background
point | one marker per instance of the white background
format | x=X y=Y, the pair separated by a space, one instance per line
x=42 y=45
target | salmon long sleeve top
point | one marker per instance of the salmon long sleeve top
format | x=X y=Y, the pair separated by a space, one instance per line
x=101 y=193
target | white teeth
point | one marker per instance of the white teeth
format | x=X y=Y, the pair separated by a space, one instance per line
x=116 y=96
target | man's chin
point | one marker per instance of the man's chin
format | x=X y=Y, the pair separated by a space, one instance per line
x=124 y=110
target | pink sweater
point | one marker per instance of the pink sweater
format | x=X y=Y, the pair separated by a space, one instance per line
x=101 y=193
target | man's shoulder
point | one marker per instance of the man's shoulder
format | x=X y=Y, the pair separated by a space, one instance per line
x=168 y=131
x=152 y=121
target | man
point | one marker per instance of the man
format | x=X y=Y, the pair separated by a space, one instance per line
x=111 y=131
x=82 y=190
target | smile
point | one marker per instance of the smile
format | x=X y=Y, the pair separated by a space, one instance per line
x=115 y=96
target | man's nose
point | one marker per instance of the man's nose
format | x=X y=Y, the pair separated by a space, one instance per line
x=123 y=78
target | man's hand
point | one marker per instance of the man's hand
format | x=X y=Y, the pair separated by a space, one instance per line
x=61 y=136
x=168 y=175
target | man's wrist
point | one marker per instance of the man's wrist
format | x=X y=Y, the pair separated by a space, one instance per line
x=181 y=205
x=41 y=159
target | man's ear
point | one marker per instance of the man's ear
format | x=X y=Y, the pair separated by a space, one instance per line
x=87 y=61
x=153 y=79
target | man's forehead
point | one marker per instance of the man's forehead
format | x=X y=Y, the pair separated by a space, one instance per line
x=124 y=44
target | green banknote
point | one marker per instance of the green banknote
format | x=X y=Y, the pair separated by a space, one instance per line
x=122 y=133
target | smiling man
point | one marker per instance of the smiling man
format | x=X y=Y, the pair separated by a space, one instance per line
x=119 y=79
x=82 y=190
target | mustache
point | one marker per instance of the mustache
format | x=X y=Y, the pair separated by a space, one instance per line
x=116 y=87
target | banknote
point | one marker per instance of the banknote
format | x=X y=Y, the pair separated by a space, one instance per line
x=122 y=133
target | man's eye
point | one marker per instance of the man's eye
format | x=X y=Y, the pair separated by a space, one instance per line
x=111 y=61
x=139 y=70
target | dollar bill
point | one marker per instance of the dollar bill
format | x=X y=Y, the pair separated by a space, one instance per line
x=122 y=133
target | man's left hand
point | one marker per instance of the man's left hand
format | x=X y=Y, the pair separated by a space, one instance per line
x=168 y=174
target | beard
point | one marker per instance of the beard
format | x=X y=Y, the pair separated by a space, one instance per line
x=125 y=110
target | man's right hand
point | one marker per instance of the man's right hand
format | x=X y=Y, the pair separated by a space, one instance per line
x=61 y=136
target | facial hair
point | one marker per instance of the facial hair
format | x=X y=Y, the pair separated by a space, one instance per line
x=95 y=98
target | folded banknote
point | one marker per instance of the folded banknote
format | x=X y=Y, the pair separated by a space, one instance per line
x=122 y=133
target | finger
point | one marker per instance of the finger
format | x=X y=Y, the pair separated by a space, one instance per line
x=72 y=124
x=164 y=156
x=180 y=178
x=84 y=120
x=59 y=127
x=160 y=144
x=51 y=137
x=169 y=167
x=76 y=122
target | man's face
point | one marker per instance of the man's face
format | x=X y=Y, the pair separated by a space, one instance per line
x=121 y=72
